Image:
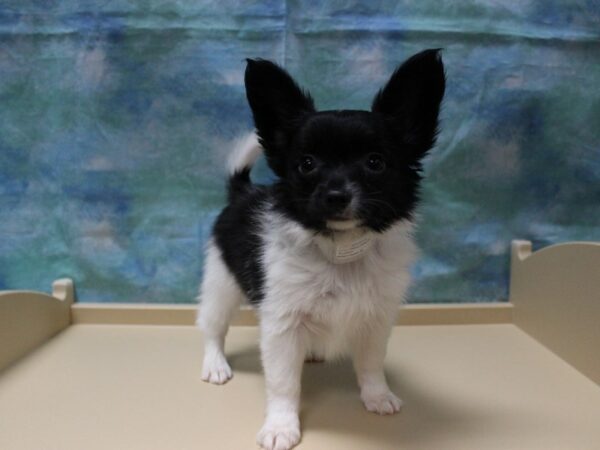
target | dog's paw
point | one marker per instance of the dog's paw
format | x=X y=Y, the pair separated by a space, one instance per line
x=384 y=404
x=279 y=434
x=215 y=370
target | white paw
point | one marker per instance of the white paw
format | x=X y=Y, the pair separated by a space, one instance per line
x=279 y=434
x=215 y=370
x=384 y=404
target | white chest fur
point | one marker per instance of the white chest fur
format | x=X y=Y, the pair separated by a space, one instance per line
x=304 y=285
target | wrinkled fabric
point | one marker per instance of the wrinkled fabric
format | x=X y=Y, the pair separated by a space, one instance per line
x=116 y=118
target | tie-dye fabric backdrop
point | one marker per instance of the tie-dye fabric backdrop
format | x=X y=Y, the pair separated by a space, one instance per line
x=116 y=118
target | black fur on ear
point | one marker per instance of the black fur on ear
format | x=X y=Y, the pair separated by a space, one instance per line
x=278 y=106
x=410 y=102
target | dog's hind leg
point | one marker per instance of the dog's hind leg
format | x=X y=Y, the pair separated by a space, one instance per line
x=220 y=297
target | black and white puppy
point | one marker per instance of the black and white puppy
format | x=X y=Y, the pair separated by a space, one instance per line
x=323 y=253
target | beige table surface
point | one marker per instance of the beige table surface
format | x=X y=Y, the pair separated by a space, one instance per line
x=138 y=387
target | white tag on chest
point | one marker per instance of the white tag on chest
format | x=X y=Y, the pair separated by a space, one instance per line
x=346 y=246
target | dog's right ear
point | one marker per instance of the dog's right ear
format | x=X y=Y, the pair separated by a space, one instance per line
x=278 y=106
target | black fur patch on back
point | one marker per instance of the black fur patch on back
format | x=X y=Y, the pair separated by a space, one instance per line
x=237 y=234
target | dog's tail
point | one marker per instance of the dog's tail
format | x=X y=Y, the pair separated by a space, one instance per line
x=245 y=153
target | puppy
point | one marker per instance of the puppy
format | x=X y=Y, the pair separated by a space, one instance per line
x=323 y=254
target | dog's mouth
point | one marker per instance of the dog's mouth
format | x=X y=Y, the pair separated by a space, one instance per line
x=343 y=220
x=342 y=217
x=341 y=224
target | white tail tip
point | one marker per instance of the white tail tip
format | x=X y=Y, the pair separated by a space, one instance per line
x=245 y=153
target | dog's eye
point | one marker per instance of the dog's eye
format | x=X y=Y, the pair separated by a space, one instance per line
x=375 y=163
x=307 y=165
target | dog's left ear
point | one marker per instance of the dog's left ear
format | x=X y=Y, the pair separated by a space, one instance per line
x=410 y=102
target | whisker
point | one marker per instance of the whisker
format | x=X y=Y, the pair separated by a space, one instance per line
x=369 y=201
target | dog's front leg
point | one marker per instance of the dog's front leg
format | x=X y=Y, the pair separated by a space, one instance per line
x=283 y=355
x=368 y=356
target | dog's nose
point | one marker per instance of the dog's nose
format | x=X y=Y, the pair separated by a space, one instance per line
x=337 y=198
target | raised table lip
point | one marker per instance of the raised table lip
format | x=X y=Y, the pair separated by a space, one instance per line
x=168 y=314
x=522 y=250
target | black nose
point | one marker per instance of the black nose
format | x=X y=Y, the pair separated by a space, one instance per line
x=337 y=199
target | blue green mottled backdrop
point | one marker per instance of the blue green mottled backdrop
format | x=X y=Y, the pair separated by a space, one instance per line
x=116 y=117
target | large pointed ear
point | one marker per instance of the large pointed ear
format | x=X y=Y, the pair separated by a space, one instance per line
x=278 y=105
x=410 y=102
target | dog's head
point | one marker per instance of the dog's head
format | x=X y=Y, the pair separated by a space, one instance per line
x=339 y=169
